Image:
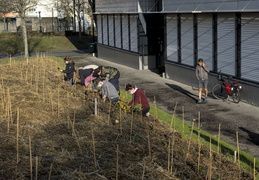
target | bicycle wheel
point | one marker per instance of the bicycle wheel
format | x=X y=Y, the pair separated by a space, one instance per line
x=236 y=96
x=219 y=92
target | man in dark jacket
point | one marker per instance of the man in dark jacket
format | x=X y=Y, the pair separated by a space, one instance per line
x=110 y=73
x=138 y=98
x=70 y=70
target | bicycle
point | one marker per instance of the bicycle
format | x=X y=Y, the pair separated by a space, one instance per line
x=225 y=89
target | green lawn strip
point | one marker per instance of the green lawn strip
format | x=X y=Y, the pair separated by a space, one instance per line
x=246 y=160
x=44 y=44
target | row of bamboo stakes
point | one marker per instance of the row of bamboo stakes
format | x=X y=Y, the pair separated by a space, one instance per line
x=7 y=107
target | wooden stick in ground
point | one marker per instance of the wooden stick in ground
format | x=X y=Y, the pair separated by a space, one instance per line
x=172 y=149
x=254 y=169
x=120 y=122
x=169 y=153
x=199 y=153
x=149 y=146
x=30 y=156
x=17 y=135
x=58 y=103
x=117 y=162
x=36 y=167
x=155 y=107
x=219 y=139
x=174 y=113
x=93 y=142
x=50 y=171
x=183 y=119
x=210 y=165
x=238 y=150
x=131 y=124
x=143 y=173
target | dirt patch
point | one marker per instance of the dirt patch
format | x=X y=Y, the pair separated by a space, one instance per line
x=48 y=129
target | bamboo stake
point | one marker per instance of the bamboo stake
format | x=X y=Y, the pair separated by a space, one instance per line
x=120 y=122
x=155 y=107
x=238 y=151
x=210 y=166
x=43 y=86
x=131 y=124
x=8 y=117
x=143 y=173
x=172 y=121
x=219 y=140
x=149 y=146
x=254 y=169
x=58 y=103
x=172 y=149
x=36 y=167
x=117 y=163
x=168 y=156
x=95 y=106
x=30 y=156
x=17 y=135
x=50 y=170
x=199 y=153
x=183 y=119
x=95 y=163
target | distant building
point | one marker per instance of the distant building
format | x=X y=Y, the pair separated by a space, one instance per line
x=171 y=35
x=45 y=17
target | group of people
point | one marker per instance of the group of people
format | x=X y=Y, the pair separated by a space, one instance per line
x=106 y=79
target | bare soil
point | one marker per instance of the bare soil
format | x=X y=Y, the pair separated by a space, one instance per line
x=49 y=131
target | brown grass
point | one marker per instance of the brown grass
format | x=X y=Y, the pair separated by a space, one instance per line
x=67 y=141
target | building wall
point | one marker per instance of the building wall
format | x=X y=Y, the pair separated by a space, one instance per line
x=228 y=42
x=210 y=6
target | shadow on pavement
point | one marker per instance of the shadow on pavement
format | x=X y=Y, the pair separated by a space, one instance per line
x=253 y=137
x=183 y=91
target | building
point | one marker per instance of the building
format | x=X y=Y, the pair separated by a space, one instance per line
x=172 y=35
x=45 y=17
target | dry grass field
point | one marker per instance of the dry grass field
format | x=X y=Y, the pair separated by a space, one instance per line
x=49 y=130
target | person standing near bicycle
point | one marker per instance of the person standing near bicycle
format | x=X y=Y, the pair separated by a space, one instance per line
x=202 y=71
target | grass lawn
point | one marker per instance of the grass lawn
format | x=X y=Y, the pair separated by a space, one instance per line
x=44 y=43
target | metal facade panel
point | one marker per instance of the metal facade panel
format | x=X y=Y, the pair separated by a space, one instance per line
x=210 y=5
x=99 y=29
x=134 y=33
x=111 y=30
x=118 y=31
x=171 y=32
x=250 y=46
x=226 y=43
x=125 y=32
x=105 y=30
x=187 y=39
x=205 y=41
x=115 y=6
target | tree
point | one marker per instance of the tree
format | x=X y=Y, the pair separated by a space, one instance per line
x=21 y=7
x=74 y=8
